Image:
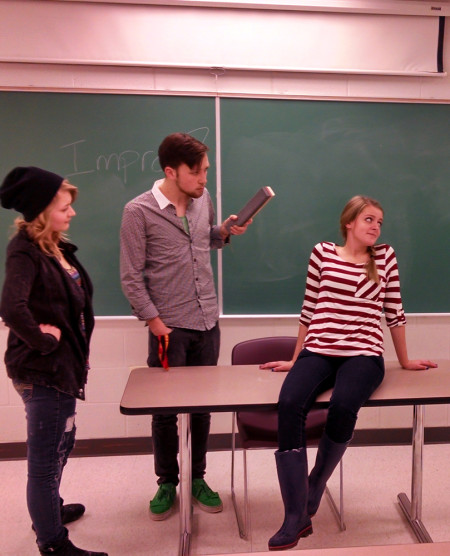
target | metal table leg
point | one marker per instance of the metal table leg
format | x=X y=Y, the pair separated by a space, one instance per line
x=184 y=421
x=413 y=509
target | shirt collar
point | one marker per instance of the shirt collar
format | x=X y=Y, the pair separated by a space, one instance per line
x=161 y=199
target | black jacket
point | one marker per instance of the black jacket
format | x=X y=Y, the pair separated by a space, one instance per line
x=37 y=290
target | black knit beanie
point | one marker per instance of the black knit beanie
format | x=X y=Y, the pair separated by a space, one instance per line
x=29 y=190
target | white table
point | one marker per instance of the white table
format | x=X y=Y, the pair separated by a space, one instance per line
x=228 y=388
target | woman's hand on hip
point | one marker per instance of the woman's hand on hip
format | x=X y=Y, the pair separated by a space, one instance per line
x=50 y=329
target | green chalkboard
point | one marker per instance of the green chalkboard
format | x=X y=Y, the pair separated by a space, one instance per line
x=316 y=155
x=107 y=146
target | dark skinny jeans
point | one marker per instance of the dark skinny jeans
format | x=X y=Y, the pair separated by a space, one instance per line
x=353 y=380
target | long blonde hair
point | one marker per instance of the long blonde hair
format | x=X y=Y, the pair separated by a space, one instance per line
x=39 y=229
x=350 y=212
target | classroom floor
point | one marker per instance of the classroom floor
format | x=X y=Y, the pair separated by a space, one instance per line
x=116 y=492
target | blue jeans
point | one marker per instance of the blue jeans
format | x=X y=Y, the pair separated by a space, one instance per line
x=51 y=437
x=353 y=380
x=187 y=348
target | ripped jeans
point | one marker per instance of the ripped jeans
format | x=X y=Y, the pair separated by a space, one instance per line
x=50 y=439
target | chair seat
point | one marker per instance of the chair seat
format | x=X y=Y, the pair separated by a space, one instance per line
x=259 y=429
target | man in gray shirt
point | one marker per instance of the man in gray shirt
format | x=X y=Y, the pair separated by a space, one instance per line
x=166 y=237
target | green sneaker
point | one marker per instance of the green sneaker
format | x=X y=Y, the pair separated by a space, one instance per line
x=207 y=500
x=162 y=504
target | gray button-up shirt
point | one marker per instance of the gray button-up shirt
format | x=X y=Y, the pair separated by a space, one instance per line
x=165 y=271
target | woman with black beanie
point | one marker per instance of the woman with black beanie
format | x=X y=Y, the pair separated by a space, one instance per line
x=47 y=304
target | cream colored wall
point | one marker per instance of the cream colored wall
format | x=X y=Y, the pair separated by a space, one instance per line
x=36 y=74
x=121 y=343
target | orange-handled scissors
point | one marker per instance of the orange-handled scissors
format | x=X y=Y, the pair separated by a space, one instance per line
x=163 y=347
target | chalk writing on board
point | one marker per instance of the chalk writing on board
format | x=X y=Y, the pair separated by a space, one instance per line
x=118 y=162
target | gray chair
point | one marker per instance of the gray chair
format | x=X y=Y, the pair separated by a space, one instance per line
x=259 y=429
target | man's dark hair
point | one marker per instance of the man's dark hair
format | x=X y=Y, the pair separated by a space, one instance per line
x=181 y=148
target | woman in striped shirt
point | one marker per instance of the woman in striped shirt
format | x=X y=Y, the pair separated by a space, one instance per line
x=339 y=346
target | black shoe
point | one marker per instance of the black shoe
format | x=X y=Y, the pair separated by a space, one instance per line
x=66 y=548
x=69 y=513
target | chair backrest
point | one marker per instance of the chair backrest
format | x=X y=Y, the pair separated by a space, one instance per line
x=262 y=350
x=258 y=429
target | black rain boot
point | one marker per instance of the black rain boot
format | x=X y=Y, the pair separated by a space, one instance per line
x=66 y=548
x=292 y=469
x=329 y=454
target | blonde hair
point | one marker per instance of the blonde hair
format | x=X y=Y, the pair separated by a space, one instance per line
x=349 y=214
x=39 y=229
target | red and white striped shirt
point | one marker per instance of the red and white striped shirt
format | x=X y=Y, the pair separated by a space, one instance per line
x=342 y=308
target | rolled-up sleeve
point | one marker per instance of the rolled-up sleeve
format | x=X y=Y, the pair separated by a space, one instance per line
x=393 y=307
